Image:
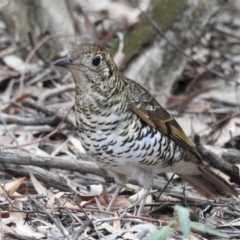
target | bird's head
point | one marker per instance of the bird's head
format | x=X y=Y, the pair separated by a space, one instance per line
x=91 y=66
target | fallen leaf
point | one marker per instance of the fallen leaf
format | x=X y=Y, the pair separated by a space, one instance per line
x=15 y=63
x=19 y=219
x=116 y=222
x=11 y=187
x=122 y=202
x=39 y=187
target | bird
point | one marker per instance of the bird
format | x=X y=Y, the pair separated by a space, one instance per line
x=125 y=131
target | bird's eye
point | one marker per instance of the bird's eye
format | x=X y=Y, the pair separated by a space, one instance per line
x=96 y=61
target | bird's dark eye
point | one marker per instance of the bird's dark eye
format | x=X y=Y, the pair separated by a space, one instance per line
x=96 y=61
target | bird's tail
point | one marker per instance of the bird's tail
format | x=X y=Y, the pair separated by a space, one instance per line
x=209 y=184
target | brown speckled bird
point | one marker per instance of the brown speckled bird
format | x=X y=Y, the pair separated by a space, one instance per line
x=127 y=132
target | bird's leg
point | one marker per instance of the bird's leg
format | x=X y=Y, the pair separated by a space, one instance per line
x=145 y=179
x=120 y=180
x=118 y=189
x=143 y=201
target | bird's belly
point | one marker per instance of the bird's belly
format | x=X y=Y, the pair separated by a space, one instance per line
x=120 y=150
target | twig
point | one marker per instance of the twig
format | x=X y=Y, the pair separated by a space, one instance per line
x=11 y=235
x=64 y=232
x=30 y=55
x=221 y=121
x=41 y=108
x=159 y=195
x=73 y=190
x=227 y=33
x=82 y=228
x=54 y=92
x=191 y=96
x=194 y=81
x=38 y=77
x=66 y=163
x=45 y=137
x=222 y=102
x=3 y=121
x=40 y=120
x=37 y=51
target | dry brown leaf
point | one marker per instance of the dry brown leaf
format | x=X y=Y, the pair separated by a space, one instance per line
x=105 y=195
x=116 y=222
x=11 y=187
x=4 y=214
x=22 y=227
x=121 y=202
x=55 y=199
x=39 y=188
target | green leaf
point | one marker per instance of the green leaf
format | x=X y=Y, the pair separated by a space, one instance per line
x=184 y=220
x=162 y=234
x=203 y=228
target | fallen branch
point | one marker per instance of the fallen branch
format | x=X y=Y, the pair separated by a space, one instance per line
x=49 y=178
x=65 y=163
x=13 y=163
x=10 y=119
x=218 y=162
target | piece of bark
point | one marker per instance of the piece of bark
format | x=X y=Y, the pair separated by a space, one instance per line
x=50 y=179
x=66 y=163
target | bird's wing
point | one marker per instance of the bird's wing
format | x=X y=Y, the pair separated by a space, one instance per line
x=142 y=103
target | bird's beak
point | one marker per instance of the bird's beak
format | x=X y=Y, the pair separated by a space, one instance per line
x=64 y=62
